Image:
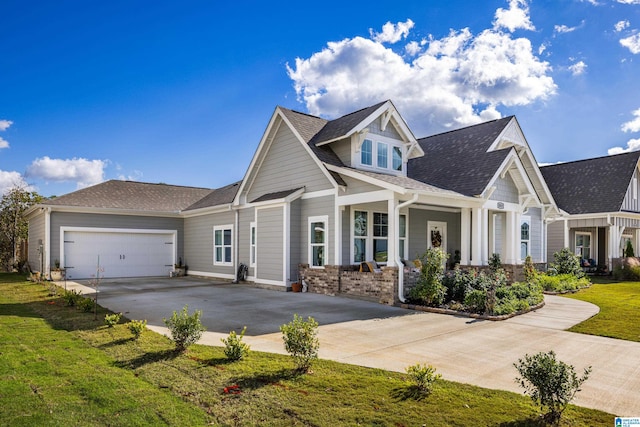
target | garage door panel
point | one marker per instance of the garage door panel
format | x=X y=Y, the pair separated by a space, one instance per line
x=120 y=254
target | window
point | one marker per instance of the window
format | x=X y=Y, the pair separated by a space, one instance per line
x=223 y=245
x=403 y=236
x=366 y=153
x=318 y=247
x=380 y=233
x=360 y=236
x=525 y=237
x=383 y=154
x=583 y=245
x=252 y=245
x=397 y=158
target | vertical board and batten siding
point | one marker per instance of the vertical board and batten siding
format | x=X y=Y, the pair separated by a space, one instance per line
x=506 y=190
x=245 y=218
x=555 y=239
x=417 y=232
x=297 y=252
x=317 y=206
x=36 y=235
x=270 y=238
x=66 y=219
x=287 y=165
x=631 y=203
x=198 y=236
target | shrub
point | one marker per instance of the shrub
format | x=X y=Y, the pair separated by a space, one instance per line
x=301 y=341
x=566 y=262
x=628 y=250
x=234 y=348
x=112 y=319
x=137 y=327
x=627 y=273
x=86 y=304
x=551 y=383
x=476 y=300
x=423 y=377
x=495 y=263
x=185 y=329
x=561 y=282
x=429 y=290
x=529 y=270
x=71 y=297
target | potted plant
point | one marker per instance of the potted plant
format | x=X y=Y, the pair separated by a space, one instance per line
x=180 y=269
x=57 y=273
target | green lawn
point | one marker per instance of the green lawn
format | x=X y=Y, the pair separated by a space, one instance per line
x=58 y=366
x=619 y=315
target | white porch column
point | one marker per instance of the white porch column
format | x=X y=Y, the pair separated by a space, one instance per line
x=393 y=231
x=484 y=242
x=636 y=241
x=476 y=236
x=512 y=238
x=465 y=235
x=566 y=243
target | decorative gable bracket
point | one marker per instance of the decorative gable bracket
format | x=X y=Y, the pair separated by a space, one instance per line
x=361 y=136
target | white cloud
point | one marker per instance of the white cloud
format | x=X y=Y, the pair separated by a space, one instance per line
x=632 y=125
x=632 y=145
x=12 y=179
x=136 y=175
x=542 y=48
x=457 y=80
x=562 y=29
x=5 y=124
x=392 y=33
x=413 y=48
x=632 y=43
x=3 y=143
x=629 y=1
x=517 y=16
x=82 y=171
x=621 y=25
x=578 y=68
x=593 y=2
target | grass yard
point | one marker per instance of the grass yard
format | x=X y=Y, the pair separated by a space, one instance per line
x=619 y=315
x=59 y=366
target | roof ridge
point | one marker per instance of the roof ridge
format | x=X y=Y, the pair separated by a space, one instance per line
x=467 y=127
x=637 y=153
x=302 y=113
x=154 y=183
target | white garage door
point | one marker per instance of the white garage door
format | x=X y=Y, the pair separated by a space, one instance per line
x=121 y=254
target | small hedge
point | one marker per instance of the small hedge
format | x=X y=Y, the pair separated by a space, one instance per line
x=561 y=282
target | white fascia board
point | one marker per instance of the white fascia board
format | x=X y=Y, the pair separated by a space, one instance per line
x=365 y=178
x=277 y=202
x=368 y=197
x=208 y=210
x=360 y=126
x=111 y=211
x=512 y=159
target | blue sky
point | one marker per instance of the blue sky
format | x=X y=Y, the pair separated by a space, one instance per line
x=181 y=92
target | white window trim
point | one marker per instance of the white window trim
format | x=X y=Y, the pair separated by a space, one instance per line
x=525 y=219
x=390 y=142
x=222 y=228
x=575 y=242
x=403 y=240
x=369 y=238
x=325 y=220
x=253 y=244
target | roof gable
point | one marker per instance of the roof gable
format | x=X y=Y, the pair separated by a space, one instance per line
x=220 y=196
x=597 y=185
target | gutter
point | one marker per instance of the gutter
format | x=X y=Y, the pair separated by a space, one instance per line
x=396 y=220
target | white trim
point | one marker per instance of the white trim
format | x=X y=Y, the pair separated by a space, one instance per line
x=368 y=197
x=584 y=233
x=525 y=219
x=223 y=228
x=208 y=210
x=270 y=282
x=253 y=244
x=320 y=193
x=443 y=227
x=310 y=220
x=286 y=242
x=111 y=211
x=209 y=274
x=47 y=242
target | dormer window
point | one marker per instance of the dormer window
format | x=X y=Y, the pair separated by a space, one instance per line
x=382 y=154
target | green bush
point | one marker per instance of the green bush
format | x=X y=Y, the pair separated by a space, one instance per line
x=185 y=329
x=551 y=383
x=628 y=250
x=112 y=320
x=137 y=327
x=86 y=304
x=71 y=297
x=301 y=341
x=561 y=282
x=566 y=262
x=423 y=377
x=529 y=270
x=429 y=290
x=234 y=348
x=476 y=301
x=631 y=273
x=495 y=263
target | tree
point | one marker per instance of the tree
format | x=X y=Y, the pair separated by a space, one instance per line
x=14 y=227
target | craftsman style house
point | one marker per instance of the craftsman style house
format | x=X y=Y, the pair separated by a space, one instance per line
x=601 y=212
x=317 y=193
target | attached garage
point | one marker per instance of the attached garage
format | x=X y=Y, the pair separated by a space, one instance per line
x=120 y=252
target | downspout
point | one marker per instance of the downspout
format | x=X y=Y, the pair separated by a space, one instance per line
x=396 y=220
x=236 y=248
x=47 y=243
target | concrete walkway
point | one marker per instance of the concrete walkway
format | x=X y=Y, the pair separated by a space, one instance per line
x=465 y=350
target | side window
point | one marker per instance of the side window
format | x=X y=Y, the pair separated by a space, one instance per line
x=223 y=245
x=252 y=244
x=366 y=153
x=525 y=237
x=318 y=245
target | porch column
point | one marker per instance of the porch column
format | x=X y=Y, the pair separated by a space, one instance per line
x=476 y=236
x=636 y=241
x=465 y=235
x=393 y=231
x=566 y=243
x=512 y=240
x=485 y=237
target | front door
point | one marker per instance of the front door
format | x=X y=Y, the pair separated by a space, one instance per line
x=437 y=235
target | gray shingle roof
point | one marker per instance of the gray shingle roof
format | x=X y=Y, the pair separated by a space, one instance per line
x=406 y=182
x=341 y=126
x=116 y=194
x=591 y=185
x=458 y=160
x=220 y=196
x=275 y=195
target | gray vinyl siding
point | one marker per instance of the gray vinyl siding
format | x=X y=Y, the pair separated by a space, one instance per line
x=342 y=149
x=390 y=131
x=270 y=235
x=66 y=219
x=555 y=239
x=296 y=249
x=36 y=238
x=418 y=219
x=355 y=186
x=287 y=165
x=317 y=207
x=198 y=235
x=593 y=222
x=245 y=217
x=506 y=190
x=631 y=203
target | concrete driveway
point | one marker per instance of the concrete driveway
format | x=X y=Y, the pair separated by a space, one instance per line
x=369 y=334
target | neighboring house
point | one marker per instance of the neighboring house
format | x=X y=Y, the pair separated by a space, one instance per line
x=319 y=193
x=599 y=201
